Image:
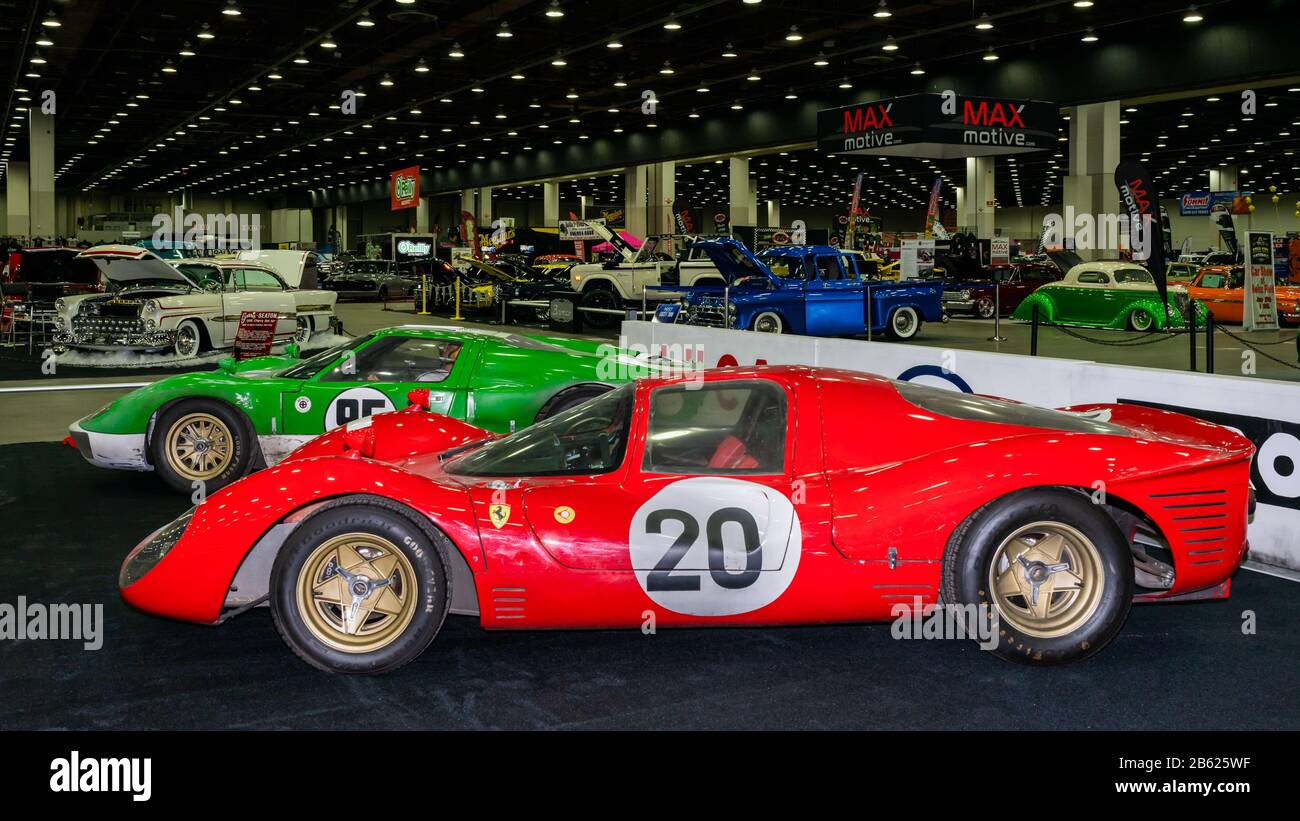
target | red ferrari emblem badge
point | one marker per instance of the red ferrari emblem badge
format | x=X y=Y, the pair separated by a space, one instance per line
x=499 y=514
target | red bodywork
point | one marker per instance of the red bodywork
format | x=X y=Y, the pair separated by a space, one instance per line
x=877 y=486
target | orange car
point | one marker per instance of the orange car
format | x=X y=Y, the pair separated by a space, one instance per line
x=1220 y=288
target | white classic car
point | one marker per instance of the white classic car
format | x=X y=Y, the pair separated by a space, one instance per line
x=184 y=306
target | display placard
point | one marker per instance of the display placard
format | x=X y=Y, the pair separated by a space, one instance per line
x=1000 y=250
x=255 y=334
x=580 y=230
x=1260 y=309
x=404 y=188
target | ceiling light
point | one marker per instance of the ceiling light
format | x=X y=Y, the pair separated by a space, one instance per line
x=301 y=60
x=168 y=68
x=620 y=82
x=45 y=42
x=917 y=70
x=364 y=20
x=729 y=51
x=37 y=59
x=821 y=60
x=882 y=11
x=790 y=95
x=753 y=77
x=186 y=51
x=421 y=66
x=984 y=23
x=504 y=32
x=702 y=90
x=275 y=75
x=50 y=21
x=572 y=95
x=736 y=106
x=554 y=10
x=516 y=76
x=990 y=55
x=1192 y=16
x=559 y=61
x=1089 y=36
x=890 y=44
x=456 y=52
x=328 y=42
x=205 y=33
x=614 y=44
x=667 y=69
x=793 y=36
x=672 y=25
x=845 y=83
x=694 y=115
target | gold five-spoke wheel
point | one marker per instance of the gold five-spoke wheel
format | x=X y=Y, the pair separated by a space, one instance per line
x=357 y=592
x=1047 y=579
x=199 y=446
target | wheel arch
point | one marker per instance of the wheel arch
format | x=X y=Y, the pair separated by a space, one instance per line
x=249 y=427
x=251 y=583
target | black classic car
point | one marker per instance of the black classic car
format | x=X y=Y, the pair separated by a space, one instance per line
x=380 y=279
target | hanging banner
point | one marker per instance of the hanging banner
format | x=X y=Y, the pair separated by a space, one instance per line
x=580 y=230
x=404 y=188
x=1137 y=194
x=469 y=233
x=1259 y=313
x=939 y=126
x=932 y=212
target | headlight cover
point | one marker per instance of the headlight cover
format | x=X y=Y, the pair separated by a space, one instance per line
x=148 y=553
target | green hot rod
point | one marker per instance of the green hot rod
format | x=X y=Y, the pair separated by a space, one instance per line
x=216 y=426
x=1119 y=295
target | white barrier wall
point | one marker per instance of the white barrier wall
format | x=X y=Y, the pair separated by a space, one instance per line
x=1265 y=410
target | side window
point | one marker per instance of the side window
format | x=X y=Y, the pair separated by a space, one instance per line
x=398 y=359
x=828 y=268
x=1094 y=277
x=724 y=427
x=254 y=279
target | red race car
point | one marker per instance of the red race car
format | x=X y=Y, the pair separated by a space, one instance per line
x=736 y=496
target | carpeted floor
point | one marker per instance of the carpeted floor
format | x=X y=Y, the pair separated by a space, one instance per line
x=65 y=526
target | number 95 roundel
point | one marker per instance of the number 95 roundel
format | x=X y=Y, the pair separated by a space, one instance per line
x=713 y=546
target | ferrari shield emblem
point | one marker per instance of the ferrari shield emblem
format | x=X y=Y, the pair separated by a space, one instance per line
x=499 y=514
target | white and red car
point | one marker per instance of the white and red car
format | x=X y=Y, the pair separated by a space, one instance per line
x=184 y=306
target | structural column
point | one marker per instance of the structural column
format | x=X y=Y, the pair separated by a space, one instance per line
x=550 y=203
x=40 y=137
x=979 y=195
x=1223 y=178
x=634 y=200
x=484 y=213
x=422 y=216
x=585 y=203
x=773 y=213
x=738 y=192
x=1094 y=154
x=661 y=190
x=17 y=200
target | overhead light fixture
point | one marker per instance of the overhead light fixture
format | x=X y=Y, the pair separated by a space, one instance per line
x=50 y=21
x=821 y=60
x=559 y=61
x=984 y=23
x=365 y=20
x=790 y=95
x=917 y=70
x=1192 y=15
x=694 y=115
x=672 y=25
x=231 y=10
x=736 y=106
x=572 y=95
x=45 y=42
x=456 y=52
x=753 y=77
x=991 y=55
x=702 y=90
x=793 y=36
x=205 y=33
x=387 y=81
x=301 y=60
x=1083 y=4
x=619 y=82
x=421 y=67
x=168 y=68
x=275 y=75
x=667 y=69
x=517 y=76
x=1089 y=36
x=615 y=43
x=504 y=32
x=328 y=42
x=882 y=11
x=890 y=44
x=554 y=10
x=844 y=83
x=729 y=51
x=186 y=50
x=37 y=59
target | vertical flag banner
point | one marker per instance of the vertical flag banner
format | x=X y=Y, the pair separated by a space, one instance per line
x=1137 y=194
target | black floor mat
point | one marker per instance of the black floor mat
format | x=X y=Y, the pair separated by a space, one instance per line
x=65 y=527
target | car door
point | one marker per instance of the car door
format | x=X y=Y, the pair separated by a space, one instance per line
x=377 y=376
x=833 y=296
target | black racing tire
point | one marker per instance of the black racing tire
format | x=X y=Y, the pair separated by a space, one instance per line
x=904 y=323
x=600 y=295
x=172 y=440
x=1090 y=614
x=426 y=593
x=570 y=398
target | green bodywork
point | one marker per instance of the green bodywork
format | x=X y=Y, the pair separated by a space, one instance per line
x=498 y=381
x=1094 y=307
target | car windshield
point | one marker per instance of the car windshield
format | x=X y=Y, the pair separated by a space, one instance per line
x=586 y=439
x=308 y=368
x=1133 y=275
x=787 y=267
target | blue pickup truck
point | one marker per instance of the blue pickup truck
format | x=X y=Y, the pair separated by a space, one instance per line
x=815 y=290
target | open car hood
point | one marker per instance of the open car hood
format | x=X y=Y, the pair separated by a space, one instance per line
x=124 y=270
x=732 y=259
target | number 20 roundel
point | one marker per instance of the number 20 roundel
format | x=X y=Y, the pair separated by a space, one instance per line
x=712 y=546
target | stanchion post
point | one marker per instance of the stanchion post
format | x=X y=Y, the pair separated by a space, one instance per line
x=997 y=312
x=457 y=314
x=1209 y=341
x=1191 y=337
x=424 y=294
x=868 y=298
x=1033 y=330
x=643 y=302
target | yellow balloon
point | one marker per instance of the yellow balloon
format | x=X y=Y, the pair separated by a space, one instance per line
x=1252 y=209
x=1248 y=200
x=1276 y=199
x=1272 y=188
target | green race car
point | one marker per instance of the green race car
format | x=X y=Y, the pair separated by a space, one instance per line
x=1118 y=295
x=205 y=430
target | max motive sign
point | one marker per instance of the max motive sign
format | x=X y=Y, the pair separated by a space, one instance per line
x=404 y=187
x=938 y=126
